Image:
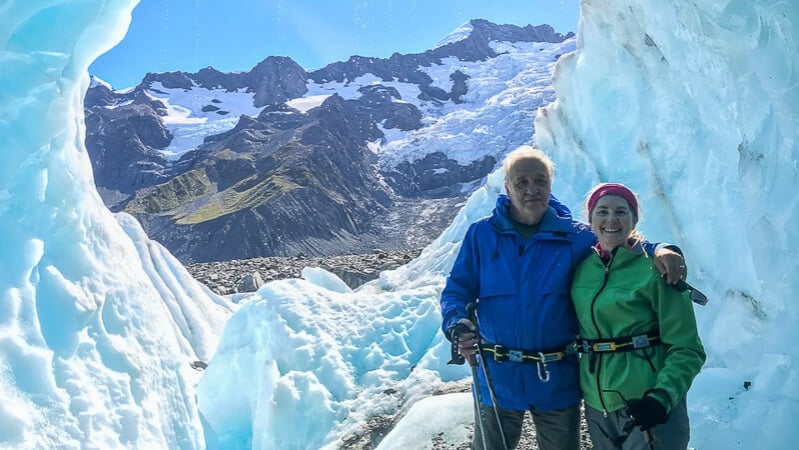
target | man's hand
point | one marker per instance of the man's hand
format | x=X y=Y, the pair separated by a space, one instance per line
x=670 y=264
x=465 y=333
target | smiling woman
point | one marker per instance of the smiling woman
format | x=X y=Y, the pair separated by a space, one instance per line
x=635 y=330
x=169 y=35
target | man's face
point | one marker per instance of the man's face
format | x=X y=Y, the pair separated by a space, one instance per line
x=528 y=187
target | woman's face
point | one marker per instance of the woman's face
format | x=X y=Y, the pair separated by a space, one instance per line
x=612 y=221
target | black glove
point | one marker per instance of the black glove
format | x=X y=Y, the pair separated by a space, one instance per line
x=458 y=328
x=646 y=412
x=454 y=333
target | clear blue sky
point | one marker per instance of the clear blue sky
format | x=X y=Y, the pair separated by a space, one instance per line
x=188 y=35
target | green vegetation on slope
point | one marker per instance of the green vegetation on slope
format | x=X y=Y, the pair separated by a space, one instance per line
x=166 y=197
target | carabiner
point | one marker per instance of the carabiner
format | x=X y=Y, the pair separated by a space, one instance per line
x=542 y=363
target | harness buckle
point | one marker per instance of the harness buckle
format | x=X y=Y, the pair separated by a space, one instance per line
x=604 y=347
x=640 y=341
x=499 y=353
x=550 y=357
x=515 y=356
x=571 y=349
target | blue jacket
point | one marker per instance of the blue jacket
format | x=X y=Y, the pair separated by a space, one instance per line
x=524 y=303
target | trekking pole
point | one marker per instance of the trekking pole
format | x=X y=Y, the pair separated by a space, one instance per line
x=478 y=404
x=457 y=358
x=648 y=439
x=471 y=310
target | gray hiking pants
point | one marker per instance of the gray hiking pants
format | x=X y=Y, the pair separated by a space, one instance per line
x=607 y=433
x=555 y=430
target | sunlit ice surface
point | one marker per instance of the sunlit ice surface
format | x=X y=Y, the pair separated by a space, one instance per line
x=96 y=321
x=692 y=105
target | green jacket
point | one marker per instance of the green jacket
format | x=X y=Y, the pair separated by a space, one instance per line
x=629 y=299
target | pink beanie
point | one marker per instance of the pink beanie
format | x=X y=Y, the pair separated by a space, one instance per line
x=613 y=189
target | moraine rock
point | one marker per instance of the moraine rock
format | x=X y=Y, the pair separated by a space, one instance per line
x=227 y=277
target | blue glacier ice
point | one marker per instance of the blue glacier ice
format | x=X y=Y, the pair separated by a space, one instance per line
x=693 y=104
x=96 y=322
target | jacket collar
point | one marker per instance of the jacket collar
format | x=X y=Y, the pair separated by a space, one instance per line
x=551 y=222
x=623 y=252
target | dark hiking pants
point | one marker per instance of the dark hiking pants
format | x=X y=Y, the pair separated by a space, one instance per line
x=607 y=432
x=555 y=430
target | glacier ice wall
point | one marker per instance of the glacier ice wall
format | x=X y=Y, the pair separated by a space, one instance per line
x=691 y=103
x=97 y=323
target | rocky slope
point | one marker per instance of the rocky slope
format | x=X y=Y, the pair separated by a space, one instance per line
x=302 y=172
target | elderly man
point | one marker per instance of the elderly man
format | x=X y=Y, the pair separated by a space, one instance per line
x=517 y=265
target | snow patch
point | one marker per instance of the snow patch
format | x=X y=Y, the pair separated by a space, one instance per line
x=460 y=33
x=305 y=104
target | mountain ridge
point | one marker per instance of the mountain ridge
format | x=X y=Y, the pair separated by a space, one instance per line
x=275 y=180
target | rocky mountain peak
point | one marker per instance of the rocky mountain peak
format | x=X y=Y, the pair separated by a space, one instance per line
x=477 y=45
x=169 y=80
x=489 y=31
x=277 y=79
x=210 y=78
x=284 y=161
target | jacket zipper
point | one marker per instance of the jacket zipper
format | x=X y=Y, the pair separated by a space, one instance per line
x=591 y=361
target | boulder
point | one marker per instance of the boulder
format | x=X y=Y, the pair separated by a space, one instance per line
x=250 y=283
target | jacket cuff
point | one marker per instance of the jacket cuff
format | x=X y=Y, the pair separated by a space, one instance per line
x=663 y=397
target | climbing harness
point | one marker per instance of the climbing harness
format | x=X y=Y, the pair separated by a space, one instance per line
x=621 y=344
x=613 y=345
x=541 y=358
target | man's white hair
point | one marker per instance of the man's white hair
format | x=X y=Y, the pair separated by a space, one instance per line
x=528 y=152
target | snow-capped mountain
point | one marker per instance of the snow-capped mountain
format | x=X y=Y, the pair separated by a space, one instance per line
x=361 y=154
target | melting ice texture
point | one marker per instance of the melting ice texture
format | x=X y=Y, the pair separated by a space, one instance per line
x=693 y=104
